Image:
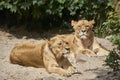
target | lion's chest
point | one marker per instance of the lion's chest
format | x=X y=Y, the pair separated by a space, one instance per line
x=84 y=44
x=87 y=45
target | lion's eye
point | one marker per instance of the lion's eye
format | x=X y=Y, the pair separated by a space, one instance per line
x=59 y=43
x=78 y=25
x=66 y=42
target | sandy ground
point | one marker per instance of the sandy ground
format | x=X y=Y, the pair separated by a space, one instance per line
x=92 y=69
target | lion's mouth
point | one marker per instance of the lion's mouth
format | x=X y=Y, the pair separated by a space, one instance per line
x=66 y=54
x=83 y=36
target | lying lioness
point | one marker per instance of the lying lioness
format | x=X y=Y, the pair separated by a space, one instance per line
x=49 y=54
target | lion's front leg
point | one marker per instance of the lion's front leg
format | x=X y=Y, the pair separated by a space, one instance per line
x=52 y=66
x=72 y=59
x=99 y=49
x=62 y=71
x=87 y=52
x=101 y=52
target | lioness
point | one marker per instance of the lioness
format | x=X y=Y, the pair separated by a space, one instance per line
x=83 y=40
x=49 y=54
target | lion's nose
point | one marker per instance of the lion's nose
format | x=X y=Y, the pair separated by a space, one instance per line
x=67 y=49
x=83 y=30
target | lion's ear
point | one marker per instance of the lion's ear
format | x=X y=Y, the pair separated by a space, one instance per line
x=92 y=22
x=51 y=41
x=73 y=23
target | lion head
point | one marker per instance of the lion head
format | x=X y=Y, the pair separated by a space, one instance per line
x=59 y=46
x=83 y=28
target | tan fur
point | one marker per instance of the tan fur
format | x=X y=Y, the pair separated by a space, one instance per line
x=83 y=40
x=49 y=54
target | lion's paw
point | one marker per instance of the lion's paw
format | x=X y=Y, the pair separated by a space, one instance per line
x=71 y=70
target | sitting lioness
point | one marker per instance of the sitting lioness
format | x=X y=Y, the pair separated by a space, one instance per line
x=49 y=54
x=83 y=40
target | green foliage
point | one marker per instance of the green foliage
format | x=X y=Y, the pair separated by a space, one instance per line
x=57 y=11
x=112 y=27
x=113 y=60
x=116 y=39
x=112 y=24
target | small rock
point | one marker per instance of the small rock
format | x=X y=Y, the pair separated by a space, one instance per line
x=24 y=37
